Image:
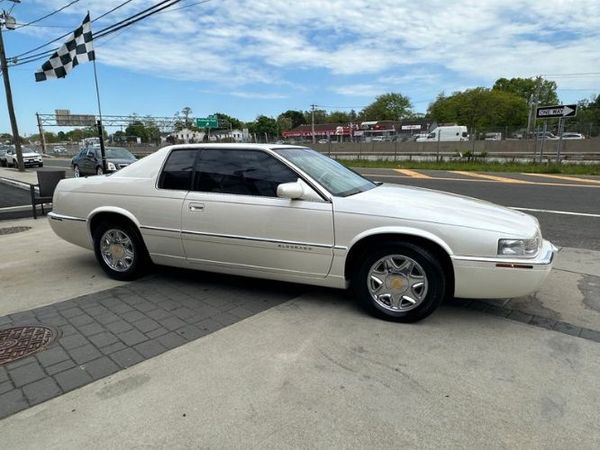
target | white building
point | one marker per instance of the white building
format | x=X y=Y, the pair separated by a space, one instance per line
x=191 y=136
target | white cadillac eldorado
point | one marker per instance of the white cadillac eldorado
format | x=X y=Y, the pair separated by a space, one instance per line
x=289 y=213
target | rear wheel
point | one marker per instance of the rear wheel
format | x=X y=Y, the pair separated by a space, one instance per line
x=76 y=171
x=120 y=250
x=99 y=170
x=400 y=281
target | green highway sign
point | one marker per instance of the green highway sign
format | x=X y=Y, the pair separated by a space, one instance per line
x=207 y=122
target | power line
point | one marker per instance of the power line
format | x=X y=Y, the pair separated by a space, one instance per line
x=157 y=8
x=105 y=31
x=66 y=34
x=112 y=10
x=47 y=15
x=341 y=107
x=571 y=75
x=136 y=17
x=21 y=25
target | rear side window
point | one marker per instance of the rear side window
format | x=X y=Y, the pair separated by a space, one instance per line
x=244 y=172
x=178 y=170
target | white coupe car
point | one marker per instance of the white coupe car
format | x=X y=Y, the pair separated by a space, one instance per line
x=289 y=213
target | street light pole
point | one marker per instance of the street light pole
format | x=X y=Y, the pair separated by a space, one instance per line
x=312 y=113
x=9 y=100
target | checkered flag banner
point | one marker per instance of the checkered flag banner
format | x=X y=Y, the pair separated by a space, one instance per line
x=79 y=48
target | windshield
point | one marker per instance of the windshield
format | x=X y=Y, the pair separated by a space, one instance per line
x=333 y=176
x=118 y=153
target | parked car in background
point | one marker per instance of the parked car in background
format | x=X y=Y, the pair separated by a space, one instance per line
x=548 y=136
x=572 y=136
x=31 y=158
x=89 y=160
x=3 y=150
x=292 y=214
x=493 y=136
x=59 y=149
x=447 y=134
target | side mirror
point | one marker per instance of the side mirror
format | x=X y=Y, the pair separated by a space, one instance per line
x=290 y=190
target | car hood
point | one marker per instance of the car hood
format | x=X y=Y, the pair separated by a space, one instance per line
x=29 y=154
x=427 y=205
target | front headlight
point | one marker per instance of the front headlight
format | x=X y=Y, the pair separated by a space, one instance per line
x=520 y=247
x=111 y=166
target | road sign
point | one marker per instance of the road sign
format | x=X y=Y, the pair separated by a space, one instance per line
x=552 y=112
x=207 y=122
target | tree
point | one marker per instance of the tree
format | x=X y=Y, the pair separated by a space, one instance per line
x=6 y=138
x=480 y=108
x=587 y=120
x=339 y=117
x=296 y=118
x=391 y=106
x=226 y=121
x=146 y=132
x=183 y=119
x=320 y=116
x=284 y=123
x=119 y=136
x=527 y=88
x=264 y=125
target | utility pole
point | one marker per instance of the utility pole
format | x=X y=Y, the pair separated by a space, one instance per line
x=41 y=130
x=312 y=113
x=7 y=21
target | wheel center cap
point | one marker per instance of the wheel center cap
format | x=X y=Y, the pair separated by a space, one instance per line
x=396 y=283
x=117 y=251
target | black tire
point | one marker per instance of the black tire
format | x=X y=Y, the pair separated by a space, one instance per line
x=140 y=258
x=76 y=171
x=99 y=170
x=434 y=273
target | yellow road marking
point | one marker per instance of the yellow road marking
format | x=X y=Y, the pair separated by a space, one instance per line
x=412 y=173
x=563 y=177
x=474 y=180
x=491 y=177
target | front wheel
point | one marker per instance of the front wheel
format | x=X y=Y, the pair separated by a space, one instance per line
x=120 y=251
x=99 y=170
x=400 y=281
x=76 y=171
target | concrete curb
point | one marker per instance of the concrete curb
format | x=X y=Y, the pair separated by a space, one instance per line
x=15 y=183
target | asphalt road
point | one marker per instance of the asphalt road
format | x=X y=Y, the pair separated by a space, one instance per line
x=573 y=222
x=565 y=230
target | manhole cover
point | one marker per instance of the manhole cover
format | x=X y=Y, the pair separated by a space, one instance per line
x=18 y=342
x=13 y=230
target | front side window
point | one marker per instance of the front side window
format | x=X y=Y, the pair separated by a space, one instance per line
x=178 y=170
x=244 y=172
x=333 y=176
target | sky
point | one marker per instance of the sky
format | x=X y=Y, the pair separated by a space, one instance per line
x=250 y=57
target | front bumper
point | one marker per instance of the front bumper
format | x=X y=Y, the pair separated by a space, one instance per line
x=501 y=277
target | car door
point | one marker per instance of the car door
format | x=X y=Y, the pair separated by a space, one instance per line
x=232 y=217
x=86 y=164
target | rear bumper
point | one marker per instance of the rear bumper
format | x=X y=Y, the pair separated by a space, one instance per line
x=501 y=277
x=71 y=229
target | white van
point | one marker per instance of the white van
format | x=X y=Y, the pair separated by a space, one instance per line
x=447 y=134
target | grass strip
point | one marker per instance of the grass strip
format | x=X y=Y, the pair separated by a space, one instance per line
x=479 y=166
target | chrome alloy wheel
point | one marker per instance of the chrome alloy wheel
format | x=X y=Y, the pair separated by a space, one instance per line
x=397 y=283
x=117 y=250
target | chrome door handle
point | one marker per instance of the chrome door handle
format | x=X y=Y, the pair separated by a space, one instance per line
x=196 y=207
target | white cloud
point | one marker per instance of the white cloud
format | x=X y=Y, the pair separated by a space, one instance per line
x=383 y=43
x=261 y=95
